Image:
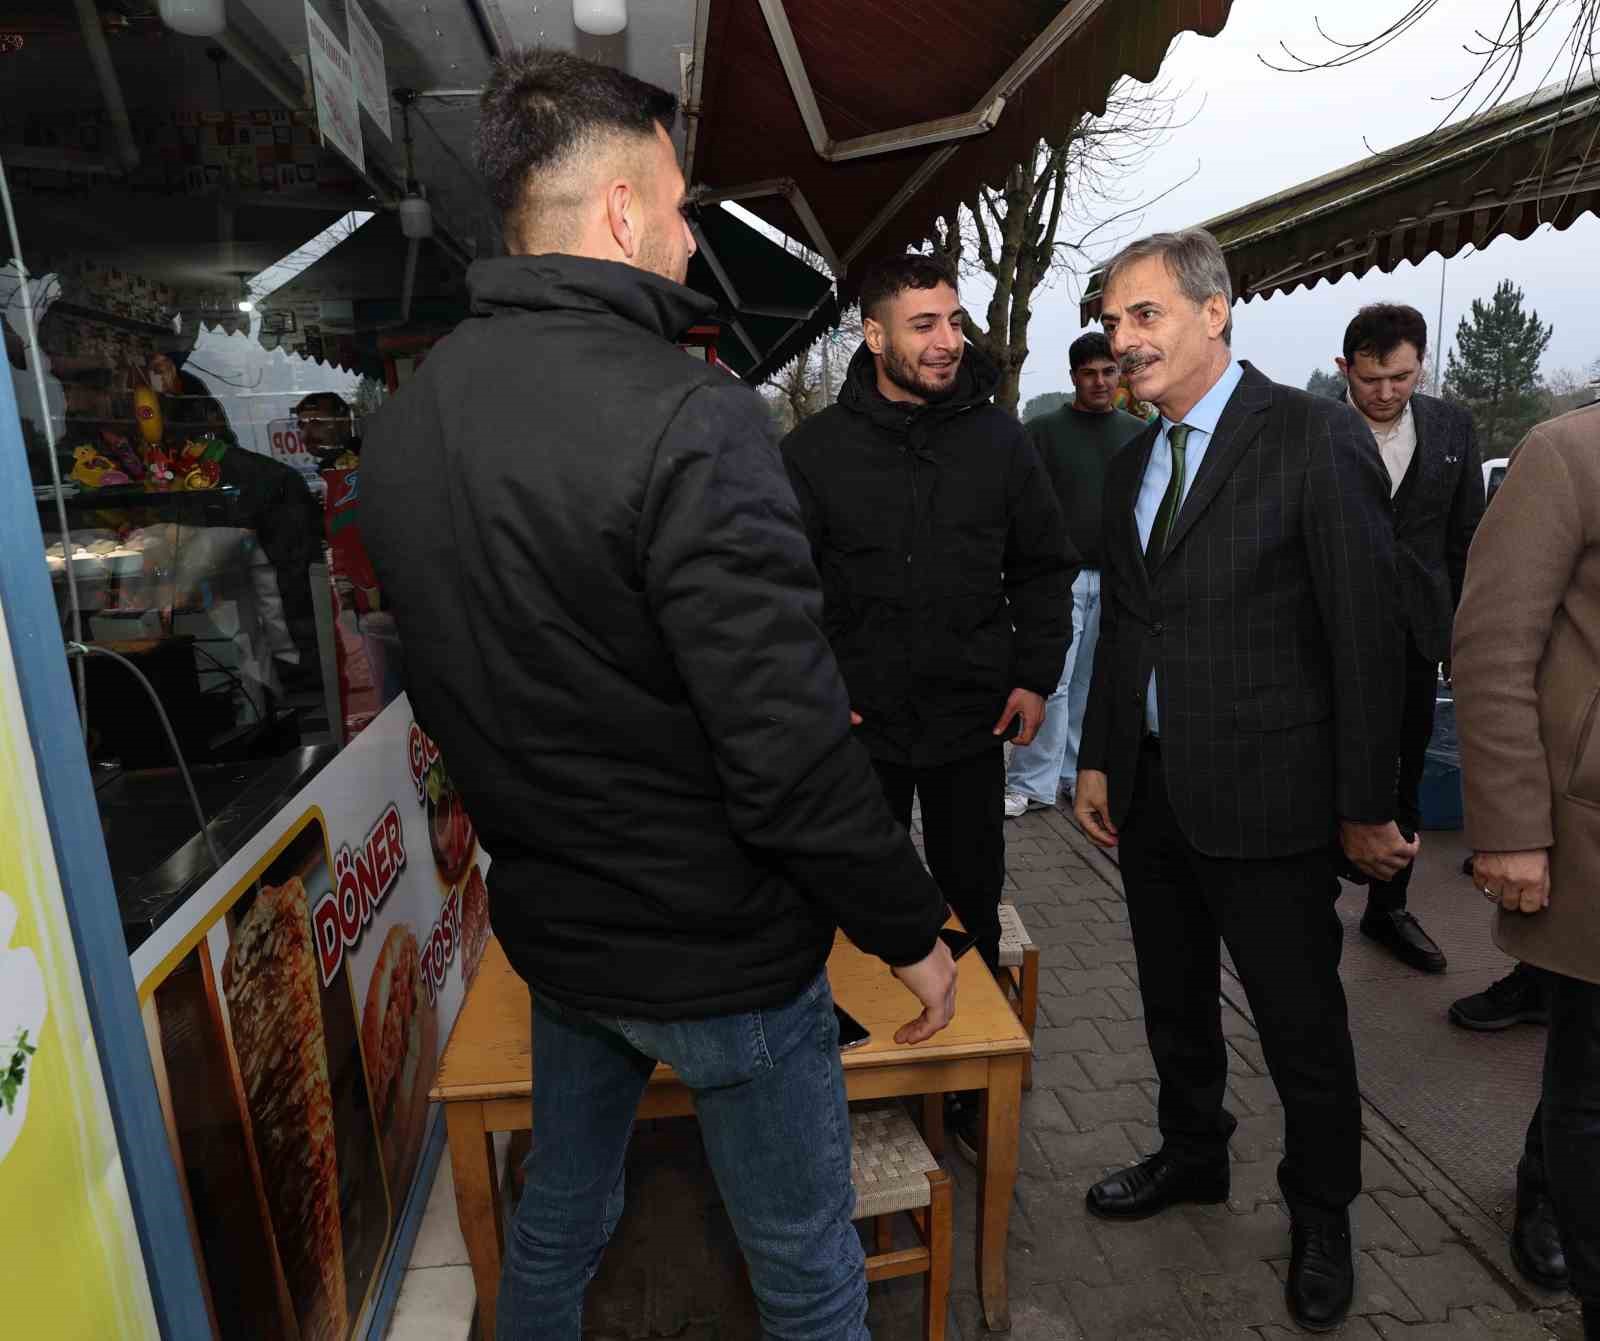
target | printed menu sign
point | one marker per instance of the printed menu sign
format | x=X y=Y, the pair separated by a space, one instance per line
x=366 y=54
x=296 y=1007
x=334 y=81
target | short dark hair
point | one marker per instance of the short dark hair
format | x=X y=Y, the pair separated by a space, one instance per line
x=328 y=403
x=540 y=105
x=1087 y=348
x=893 y=275
x=1381 y=328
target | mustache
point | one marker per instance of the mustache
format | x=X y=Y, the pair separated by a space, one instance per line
x=1132 y=363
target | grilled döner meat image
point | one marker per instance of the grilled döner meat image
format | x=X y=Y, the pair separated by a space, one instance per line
x=270 y=980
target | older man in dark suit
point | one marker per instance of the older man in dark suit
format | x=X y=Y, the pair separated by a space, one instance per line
x=1436 y=484
x=1241 y=725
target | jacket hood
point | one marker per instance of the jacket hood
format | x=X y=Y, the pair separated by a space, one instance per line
x=555 y=282
x=977 y=380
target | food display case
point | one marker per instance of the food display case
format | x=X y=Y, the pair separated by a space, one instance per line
x=270 y=911
x=150 y=569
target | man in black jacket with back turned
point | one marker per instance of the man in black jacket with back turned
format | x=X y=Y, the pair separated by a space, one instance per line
x=612 y=629
x=945 y=572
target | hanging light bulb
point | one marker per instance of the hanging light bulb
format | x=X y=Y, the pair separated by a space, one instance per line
x=600 y=18
x=416 y=217
x=195 y=18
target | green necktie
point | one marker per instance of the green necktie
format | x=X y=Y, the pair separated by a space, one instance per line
x=1172 y=500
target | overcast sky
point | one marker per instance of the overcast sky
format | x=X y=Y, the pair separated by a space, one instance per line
x=1261 y=132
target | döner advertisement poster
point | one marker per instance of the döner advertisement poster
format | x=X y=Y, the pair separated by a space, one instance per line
x=296 y=1007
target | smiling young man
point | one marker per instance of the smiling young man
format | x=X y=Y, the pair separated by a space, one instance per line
x=945 y=573
x=1436 y=484
x=1241 y=723
x=1076 y=443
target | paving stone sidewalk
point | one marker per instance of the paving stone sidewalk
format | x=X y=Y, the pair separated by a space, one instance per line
x=1428 y=1267
x=1432 y=1266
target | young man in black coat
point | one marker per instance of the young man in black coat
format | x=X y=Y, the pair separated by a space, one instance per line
x=611 y=625
x=946 y=580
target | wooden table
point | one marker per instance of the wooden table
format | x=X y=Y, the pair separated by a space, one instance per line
x=485 y=1082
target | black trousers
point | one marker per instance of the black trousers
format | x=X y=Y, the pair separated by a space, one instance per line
x=1564 y=1137
x=1416 y=730
x=1278 y=920
x=963 y=834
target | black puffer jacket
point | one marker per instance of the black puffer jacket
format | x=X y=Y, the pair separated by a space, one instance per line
x=612 y=628
x=946 y=571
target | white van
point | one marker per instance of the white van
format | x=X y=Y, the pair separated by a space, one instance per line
x=1493 y=472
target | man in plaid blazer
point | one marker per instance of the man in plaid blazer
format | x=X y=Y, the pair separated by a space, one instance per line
x=1242 y=724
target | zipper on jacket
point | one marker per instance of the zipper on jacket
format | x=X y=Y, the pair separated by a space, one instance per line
x=911 y=471
x=913 y=608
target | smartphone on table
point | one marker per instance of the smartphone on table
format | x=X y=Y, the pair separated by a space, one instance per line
x=852 y=1033
x=957 y=940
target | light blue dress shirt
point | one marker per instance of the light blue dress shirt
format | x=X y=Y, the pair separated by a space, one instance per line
x=1202 y=421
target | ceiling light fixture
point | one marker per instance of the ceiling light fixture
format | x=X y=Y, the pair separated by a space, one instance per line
x=195 y=18
x=599 y=18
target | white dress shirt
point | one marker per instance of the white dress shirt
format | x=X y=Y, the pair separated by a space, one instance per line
x=1202 y=421
x=1397 y=443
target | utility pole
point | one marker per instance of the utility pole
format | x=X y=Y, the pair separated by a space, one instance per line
x=1438 y=334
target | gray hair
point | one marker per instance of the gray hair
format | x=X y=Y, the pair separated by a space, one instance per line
x=1192 y=257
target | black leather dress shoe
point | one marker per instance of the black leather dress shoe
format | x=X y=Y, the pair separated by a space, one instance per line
x=1322 y=1273
x=1151 y=1186
x=1402 y=936
x=1535 y=1239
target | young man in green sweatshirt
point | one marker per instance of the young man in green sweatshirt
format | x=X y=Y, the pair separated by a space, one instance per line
x=1075 y=443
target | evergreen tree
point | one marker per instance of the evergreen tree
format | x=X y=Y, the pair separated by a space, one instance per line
x=1047 y=403
x=1494 y=368
x=1328 y=384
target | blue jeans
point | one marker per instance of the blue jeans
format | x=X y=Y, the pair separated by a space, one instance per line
x=769 y=1092
x=1041 y=769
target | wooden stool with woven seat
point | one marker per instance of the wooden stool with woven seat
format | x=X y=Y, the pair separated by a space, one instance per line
x=1019 y=980
x=893 y=1171
x=1019 y=976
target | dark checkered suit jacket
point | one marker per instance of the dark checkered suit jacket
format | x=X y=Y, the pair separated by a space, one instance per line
x=1435 y=516
x=1272 y=627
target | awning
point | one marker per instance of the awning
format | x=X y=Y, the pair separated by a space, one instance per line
x=770 y=303
x=1504 y=172
x=851 y=125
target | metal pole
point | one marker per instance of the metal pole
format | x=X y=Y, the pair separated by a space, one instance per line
x=94 y=37
x=1438 y=334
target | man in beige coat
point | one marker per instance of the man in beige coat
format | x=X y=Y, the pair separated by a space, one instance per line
x=1527 y=685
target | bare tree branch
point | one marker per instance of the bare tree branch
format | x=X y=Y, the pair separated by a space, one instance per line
x=986 y=204
x=1500 y=58
x=1036 y=228
x=1500 y=55
x=1044 y=243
